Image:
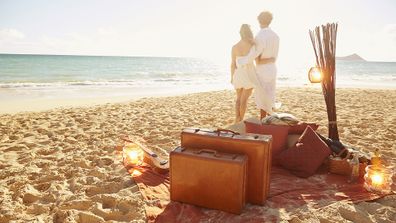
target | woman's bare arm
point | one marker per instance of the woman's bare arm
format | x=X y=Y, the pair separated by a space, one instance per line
x=233 y=63
x=265 y=60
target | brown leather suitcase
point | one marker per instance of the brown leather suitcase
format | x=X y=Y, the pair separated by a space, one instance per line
x=257 y=147
x=208 y=179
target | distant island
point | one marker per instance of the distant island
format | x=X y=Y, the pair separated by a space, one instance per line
x=352 y=57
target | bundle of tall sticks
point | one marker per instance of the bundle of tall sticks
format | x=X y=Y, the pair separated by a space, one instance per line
x=324 y=43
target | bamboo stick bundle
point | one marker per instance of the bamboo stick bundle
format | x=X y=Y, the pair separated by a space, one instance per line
x=324 y=43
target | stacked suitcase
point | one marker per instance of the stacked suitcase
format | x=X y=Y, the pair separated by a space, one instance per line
x=221 y=169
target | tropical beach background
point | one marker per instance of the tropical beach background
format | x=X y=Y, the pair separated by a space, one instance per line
x=75 y=75
x=141 y=50
x=32 y=77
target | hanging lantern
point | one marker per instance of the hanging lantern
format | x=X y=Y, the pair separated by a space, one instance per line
x=378 y=178
x=314 y=75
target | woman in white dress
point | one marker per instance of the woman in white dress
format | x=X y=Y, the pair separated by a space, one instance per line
x=244 y=78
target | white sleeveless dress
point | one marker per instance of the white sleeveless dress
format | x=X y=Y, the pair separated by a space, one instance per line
x=244 y=76
x=267 y=46
x=263 y=84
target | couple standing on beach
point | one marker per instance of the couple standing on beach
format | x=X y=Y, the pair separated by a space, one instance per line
x=246 y=76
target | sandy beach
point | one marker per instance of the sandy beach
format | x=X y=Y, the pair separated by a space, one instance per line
x=61 y=166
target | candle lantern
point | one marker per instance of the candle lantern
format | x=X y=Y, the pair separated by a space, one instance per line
x=132 y=155
x=378 y=178
x=314 y=75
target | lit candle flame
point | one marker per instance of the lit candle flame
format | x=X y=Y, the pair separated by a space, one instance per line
x=377 y=179
x=136 y=173
x=133 y=154
x=315 y=75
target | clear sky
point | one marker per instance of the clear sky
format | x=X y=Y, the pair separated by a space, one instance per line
x=194 y=28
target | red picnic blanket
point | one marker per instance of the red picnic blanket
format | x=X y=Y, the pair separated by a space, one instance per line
x=288 y=194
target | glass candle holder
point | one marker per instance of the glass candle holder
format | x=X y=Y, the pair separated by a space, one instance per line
x=132 y=155
x=315 y=75
x=378 y=178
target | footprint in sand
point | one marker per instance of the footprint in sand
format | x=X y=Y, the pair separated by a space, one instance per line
x=108 y=201
x=26 y=158
x=103 y=161
x=54 y=176
x=115 y=207
x=354 y=214
x=17 y=147
x=29 y=194
x=44 y=164
x=108 y=188
x=37 y=209
x=14 y=137
x=46 y=151
x=85 y=217
x=77 y=204
x=84 y=164
x=42 y=187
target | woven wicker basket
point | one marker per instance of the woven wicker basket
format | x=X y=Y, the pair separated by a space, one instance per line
x=339 y=165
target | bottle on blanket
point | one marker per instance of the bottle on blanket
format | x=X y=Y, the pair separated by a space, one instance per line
x=354 y=169
x=376 y=158
x=335 y=145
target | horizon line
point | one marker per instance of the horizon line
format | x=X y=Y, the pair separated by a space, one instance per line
x=142 y=56
x=87 y=55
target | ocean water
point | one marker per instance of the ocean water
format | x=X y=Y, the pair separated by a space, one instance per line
x=52 y=76
x=48 y=76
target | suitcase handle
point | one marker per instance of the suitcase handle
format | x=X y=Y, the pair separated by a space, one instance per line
x=208 y=151
x=215 y=154
x=218 y=131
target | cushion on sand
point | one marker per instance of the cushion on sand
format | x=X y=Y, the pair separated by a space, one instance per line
x=301 y=126
x=306 y=156
x=279 y=136
x=292 y=140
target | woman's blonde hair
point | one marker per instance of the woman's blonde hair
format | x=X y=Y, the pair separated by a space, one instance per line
x=246 y=33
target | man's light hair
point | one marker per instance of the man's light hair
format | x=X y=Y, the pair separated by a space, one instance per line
x=265 y=18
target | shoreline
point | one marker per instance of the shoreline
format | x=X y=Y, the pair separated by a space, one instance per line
x=87 y=99
x=36 y=104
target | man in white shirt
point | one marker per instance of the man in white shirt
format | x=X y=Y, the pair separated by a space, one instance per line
x=266 y=46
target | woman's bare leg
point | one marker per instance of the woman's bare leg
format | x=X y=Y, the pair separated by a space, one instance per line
x=263 y=114
x=238 y=105
x=244 y=100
